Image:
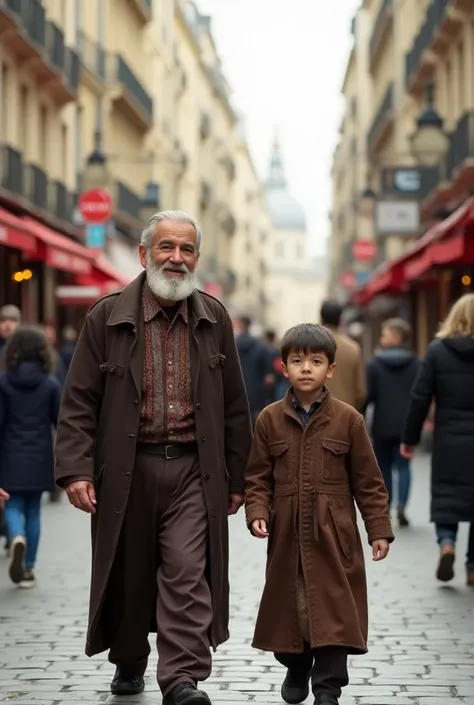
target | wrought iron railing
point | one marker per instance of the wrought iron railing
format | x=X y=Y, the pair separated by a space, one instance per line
x=434 y=16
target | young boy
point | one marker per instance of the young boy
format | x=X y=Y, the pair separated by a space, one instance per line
x=311 y=457
x=390 y=376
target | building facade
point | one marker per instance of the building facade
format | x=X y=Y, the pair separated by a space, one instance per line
x=129 y=95
x=412 y=56
x=295 y=281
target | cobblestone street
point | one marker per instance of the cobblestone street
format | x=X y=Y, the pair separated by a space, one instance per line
x=421 y=643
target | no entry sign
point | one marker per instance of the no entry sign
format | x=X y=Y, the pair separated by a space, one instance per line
x=95 y=205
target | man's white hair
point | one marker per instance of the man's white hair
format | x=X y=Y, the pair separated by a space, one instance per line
x=148 y=234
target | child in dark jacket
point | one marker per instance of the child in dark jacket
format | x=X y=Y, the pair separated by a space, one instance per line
x=390 y=376
x=29 y=407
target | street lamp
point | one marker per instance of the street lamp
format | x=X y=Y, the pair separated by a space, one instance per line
x=96 y=174
x=429 y=143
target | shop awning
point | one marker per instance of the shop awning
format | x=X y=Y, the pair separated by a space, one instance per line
x=57 y=250
x=107 y=270
x=446 y=242
x=13 y=233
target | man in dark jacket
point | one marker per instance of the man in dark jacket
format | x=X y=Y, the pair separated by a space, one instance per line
x=256 y=362
x=390 y=376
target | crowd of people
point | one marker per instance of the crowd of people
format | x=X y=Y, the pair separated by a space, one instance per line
x=169 y=416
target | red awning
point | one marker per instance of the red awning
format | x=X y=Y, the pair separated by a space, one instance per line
x=445 y=242
x=109 y=272
x=58 y=251
x=13 y=233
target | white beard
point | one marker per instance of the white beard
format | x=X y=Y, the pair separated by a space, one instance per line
x=167 y=288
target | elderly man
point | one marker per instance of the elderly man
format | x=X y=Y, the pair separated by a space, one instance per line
x=153 y=437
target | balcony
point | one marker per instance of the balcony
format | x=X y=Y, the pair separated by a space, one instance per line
x=129 y=95
x=127 y=201
x=205 y=195
x=443 y=20
x=11 y=169
x=382 y=122
x=383 y=25
x=35 y=182
x=144 y=9
x=61 y=201
x=92 y=58
x=26 y=20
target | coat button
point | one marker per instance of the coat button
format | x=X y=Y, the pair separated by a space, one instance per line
x=203 y=438
x=135 y=401
x=117 y=511
x=131 y=435
x=213 y=514
x=207 y=476
x=198 y=406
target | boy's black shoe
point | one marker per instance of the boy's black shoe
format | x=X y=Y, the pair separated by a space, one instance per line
x=125 y=684
x=295 y=687
x=186 y=694
x=325 y=699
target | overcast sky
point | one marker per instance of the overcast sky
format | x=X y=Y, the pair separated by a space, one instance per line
x=285 y=61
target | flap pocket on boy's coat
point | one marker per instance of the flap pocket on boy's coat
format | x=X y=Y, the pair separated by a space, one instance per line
x=279 y=453
x=334 y=459
x=113 y=368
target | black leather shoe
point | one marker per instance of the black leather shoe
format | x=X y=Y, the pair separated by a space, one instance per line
x=325 y=699
x=186 y=694
x=295 y=687
x=125 y=684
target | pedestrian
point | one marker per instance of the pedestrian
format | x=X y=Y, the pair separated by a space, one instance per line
x=29 y=407
x=390 y=375
x=279 y=385
x=256 y=363
x=349 y=381
x=311 y=458
x=68 y=345
x=447 y=378
x=3 y=496
x=153 y=438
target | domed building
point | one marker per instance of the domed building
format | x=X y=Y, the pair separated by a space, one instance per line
x=295 y=280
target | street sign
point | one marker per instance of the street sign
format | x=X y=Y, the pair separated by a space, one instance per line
x=95 y=205
x=397 y=217
x=364 y=250
x=95 y=236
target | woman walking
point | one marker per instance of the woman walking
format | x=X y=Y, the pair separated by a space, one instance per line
x=29 y=407
x=447 y=376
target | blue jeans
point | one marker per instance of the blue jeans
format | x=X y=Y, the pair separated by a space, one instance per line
x=388 y=457
x=22 y=517
x=448 y=533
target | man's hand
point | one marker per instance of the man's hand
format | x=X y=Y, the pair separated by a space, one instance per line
x=82 y=496
x=259 y=528
x=3 y=497
x=380 y=549
x=235 y=502
x=407 y=451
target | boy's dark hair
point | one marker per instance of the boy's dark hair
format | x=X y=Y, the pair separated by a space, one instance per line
x=331 y=312
x=306 y=338
x=28 y=344
x=401 y=328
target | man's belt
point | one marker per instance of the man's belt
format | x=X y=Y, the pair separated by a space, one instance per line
x=167 y=450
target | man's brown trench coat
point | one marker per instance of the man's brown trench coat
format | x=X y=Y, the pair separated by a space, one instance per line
x=303 y=482
x=98 y=427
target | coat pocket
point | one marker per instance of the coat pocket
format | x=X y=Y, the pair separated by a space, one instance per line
x=279 y=453
x=334 y=460
x=340 y=532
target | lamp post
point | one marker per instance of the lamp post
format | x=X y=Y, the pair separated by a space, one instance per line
x=429 y=142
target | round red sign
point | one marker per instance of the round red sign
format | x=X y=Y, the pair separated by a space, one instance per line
x=95 y=205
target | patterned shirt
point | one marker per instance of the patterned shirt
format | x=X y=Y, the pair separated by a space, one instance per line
x=167 y=404
x=303 y=415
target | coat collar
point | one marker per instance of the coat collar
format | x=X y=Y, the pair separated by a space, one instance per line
x=325 y=411
x=128 y=306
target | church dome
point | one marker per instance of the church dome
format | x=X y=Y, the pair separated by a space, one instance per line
x=285 y=211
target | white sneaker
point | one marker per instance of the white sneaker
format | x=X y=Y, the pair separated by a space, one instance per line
x=29 y=579
x=17 y=559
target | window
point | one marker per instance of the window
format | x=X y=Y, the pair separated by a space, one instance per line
x=279 y=250
x=64 y=152
x=23 y=119
x=299 y=251
x=4 y=101
x=43 y=135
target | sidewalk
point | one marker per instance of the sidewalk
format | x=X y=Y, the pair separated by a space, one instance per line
x=422 y=633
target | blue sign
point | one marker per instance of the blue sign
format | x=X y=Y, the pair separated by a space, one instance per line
x=95 y=236
x=362 y=278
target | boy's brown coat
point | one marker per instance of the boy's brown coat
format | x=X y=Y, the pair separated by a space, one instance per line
x=303 y=482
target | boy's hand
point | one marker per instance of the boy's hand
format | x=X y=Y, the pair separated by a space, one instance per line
x=407 y=451
x=380 y=549
x=259 y=528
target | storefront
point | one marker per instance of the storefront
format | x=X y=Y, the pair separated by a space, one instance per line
x=428 y=278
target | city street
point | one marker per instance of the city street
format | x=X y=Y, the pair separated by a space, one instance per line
x=421 y=643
